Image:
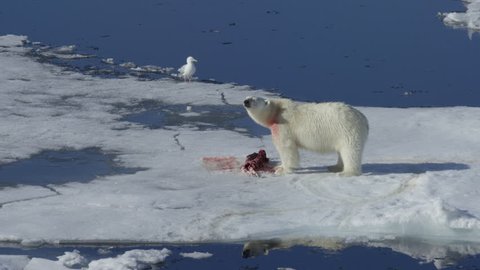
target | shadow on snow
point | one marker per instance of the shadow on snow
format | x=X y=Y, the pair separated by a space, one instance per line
x=398 y=168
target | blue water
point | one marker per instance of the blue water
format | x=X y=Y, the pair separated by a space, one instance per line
x=154 y=114
x=368 y=52
x=364 y=52
x=228 y=256
x=60 y=167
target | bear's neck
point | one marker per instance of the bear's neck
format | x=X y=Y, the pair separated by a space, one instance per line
x=273 y=126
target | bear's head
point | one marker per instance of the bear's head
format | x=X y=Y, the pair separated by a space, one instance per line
x=261 y=110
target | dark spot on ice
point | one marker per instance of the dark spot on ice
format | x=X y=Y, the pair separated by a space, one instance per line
x=60 y=167
x=227 y=43
x=155 y=115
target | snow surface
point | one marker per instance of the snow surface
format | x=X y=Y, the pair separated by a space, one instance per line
x=469 y=19
x=44 y=264
x=13 y=262
x=197 y=255
x=421 y=172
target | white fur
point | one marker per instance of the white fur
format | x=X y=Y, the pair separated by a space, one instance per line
x=187 y=71
x=320 y=127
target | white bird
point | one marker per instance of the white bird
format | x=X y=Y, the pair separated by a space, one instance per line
x=187 y=71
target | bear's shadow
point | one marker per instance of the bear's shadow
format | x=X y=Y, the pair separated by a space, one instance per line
x=397 y=168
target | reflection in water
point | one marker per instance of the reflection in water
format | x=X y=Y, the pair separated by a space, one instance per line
x=441 y=254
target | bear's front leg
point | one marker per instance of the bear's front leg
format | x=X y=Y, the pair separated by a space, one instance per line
x=287 y=149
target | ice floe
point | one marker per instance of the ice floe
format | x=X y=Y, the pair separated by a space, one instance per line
x=137 y=259
x=421 y=166
x=196 y=255
x=133 y=259
x=470 y=19
x=72 y=259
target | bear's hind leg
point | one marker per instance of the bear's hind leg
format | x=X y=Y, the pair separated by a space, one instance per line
x=338 y=167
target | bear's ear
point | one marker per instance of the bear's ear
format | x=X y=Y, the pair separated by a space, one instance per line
x=267 y=101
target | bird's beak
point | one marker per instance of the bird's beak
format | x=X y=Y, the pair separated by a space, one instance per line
x=195 y=60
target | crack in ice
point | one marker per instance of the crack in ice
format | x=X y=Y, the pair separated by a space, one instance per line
x=177 y=141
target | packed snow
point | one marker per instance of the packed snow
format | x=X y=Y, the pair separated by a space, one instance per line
x=421 y=167
x=469 y=19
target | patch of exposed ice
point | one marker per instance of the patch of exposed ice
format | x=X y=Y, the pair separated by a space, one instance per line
x=67 y=49
x=152 y=69
x=62 y=52
x=196 y=255
x=128 y=65
x=109 y=61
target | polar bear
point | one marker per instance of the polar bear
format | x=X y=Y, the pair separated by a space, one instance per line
x=320 y=127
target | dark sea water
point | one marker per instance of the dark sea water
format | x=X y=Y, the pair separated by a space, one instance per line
x=227 y=256
x=364 y=52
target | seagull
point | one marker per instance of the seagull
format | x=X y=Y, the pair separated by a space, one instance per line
x=186 y=71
